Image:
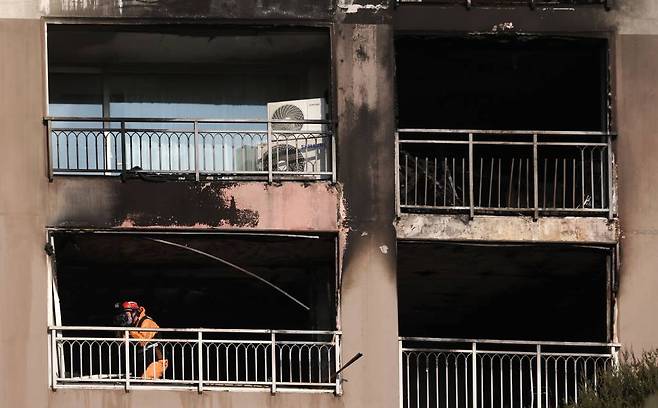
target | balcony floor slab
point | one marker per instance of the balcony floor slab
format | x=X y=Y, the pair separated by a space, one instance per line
x=434 y=227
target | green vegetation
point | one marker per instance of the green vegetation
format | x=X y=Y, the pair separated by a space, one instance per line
x=628 y=386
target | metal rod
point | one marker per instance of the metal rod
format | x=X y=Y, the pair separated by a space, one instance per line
x=253 y=275
x=333 y=158
x=511 y=181
x=480 y=182
x=535 y=178
x=270 y=159
x=503 y=132
x=491 y=177
x=123 y=151
x=591 y=166
x=126 y=359
x=196 y=151
x=200 y=361
x=582 y=177
x=273 y=362
x=471 y=200
x=396 y=160
x=337 y=362
x=474 y=374
x=351 y=361
x=610 y=178
x=48 y=151
x=435 y=180
x=416 y=180
x=538 y=375
x=426 y=179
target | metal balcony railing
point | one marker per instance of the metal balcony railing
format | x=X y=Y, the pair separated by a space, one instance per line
x=528 y=3
x=496 y=373
x=199 y=359
x=200 y=149
x=504 y=172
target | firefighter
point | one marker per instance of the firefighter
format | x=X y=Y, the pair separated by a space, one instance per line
x=149 y=353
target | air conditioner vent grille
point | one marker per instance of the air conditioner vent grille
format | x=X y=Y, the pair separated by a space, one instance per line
x=288 y=112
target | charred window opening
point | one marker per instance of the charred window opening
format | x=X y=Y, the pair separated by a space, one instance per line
x=528 y=292
x=182 y=289
x=527 y=83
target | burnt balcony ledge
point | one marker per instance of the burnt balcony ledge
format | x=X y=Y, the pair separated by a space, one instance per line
x=435 y=227
x=191 y=148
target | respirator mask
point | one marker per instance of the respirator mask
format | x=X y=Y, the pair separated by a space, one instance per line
x=122 y=318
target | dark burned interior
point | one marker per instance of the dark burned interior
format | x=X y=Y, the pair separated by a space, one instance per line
x=502 y=82
x=527 y=292
x=180 y=288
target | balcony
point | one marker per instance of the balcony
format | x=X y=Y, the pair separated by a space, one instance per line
x=465 y=372
x=198 y=359
x=189 y=102
x=198 y=149
x=498 y=172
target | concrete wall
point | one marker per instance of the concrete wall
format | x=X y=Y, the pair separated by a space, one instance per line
x=365 y=150
x=101 y=202
x=23 y=195
x=638 y=191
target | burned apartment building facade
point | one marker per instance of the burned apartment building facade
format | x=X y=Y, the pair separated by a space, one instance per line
x=325 y=203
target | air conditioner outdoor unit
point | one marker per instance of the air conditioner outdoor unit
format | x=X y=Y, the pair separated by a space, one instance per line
x=296 y=147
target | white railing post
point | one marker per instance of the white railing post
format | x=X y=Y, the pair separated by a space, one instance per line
x=333 y=154
x=397 y=174
x=269 y=152
x=124 y=160
x=535 y=178
x=48 y=149
x=614 y=352
x=538 y=375
x=400 y=374
x=471 y=199
x=196 y=151
x=273 y=355
x=126 y=359
x=337 y=363
x=474 y=375
x=55 y=358
x=200 y=358
x=611 y=180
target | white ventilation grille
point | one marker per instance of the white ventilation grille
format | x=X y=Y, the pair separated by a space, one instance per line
x=288 y=112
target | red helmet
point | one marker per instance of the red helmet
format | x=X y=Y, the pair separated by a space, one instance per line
x=129 y=305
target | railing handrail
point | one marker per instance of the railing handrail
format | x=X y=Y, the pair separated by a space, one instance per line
x=511 y=342
x=191 y=330
x=507 y=132
x=251 y=363
x=597 y=193
x=177 y=120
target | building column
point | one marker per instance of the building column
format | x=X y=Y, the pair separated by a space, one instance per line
x=365 y=90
